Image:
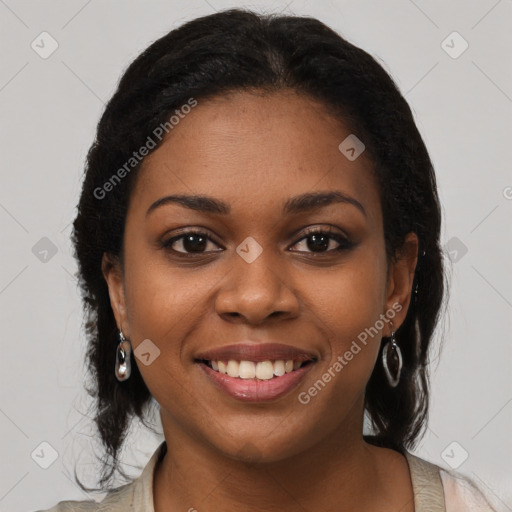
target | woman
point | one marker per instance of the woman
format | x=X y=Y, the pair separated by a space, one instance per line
x=258 y=247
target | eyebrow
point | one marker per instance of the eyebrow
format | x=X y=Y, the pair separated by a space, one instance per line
x=298 y=204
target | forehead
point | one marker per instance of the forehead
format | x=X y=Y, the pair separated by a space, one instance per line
x=258 y=149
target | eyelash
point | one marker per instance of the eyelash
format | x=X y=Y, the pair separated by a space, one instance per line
x=345 y=243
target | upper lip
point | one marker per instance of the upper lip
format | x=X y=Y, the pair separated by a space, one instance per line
x=256 y=352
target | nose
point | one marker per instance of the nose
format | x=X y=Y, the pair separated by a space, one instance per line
x=254 y=292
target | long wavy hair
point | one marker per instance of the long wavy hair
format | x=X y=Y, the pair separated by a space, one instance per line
x=236 y=50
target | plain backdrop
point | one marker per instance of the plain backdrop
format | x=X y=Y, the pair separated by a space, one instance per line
x=451 y=60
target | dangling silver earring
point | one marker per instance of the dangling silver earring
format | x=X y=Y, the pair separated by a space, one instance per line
x=123 y=362
x=392 y=361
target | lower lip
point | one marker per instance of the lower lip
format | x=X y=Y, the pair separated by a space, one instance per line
x=255 y=390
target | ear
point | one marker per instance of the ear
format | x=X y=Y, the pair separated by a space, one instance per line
x=113 y=274
x=400 y=279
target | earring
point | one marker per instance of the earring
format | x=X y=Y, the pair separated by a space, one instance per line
x=123 y=363
x=392 y=361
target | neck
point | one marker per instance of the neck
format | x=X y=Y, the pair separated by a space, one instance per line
x=337 y=473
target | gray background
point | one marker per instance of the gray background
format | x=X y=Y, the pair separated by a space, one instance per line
x=49 y=109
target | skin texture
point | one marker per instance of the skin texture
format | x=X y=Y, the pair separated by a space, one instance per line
x=255 y=151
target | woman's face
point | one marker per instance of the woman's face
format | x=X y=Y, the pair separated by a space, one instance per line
x=257 y=276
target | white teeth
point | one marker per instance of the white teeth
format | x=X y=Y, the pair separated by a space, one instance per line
x=233 y=368
x=263 y=370
x=279 y=368
x=247 y=370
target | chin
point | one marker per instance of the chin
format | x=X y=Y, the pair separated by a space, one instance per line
x=260 y=448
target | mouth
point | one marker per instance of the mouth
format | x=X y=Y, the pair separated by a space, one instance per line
x=255 y=372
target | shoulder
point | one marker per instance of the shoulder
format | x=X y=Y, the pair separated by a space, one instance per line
x=119 y=499
x=463 y=494
x=135 y=496
x=75 y=506
x=459 y=493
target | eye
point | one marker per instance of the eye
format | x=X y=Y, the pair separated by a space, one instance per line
x=317 y=240
x=191 y=242
x=321 y=240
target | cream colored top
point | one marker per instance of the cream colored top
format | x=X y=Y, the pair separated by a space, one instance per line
x=435 y=490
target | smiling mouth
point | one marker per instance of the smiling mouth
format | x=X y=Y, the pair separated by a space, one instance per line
x=256 y=370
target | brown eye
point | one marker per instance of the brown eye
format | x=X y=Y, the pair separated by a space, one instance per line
x=323 y=241
x=189 y=243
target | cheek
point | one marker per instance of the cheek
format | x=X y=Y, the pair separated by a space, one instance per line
x=162 y=308
x=351 y=296
x=166 y=306
x=347 y=303
x=162 y=302
x=346 y=323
